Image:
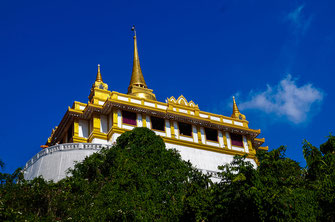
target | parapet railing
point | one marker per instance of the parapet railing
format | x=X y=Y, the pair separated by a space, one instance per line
x=65 y=147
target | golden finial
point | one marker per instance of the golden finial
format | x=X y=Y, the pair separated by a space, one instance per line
x=99 y=78
x=235 y=109
x=136 y=76
x=236 y=113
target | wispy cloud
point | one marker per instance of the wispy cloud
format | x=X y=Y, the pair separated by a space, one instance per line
x=286 y=99
x=298 y=19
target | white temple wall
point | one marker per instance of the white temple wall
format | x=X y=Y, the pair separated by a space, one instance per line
x=148 y=120
x=103 y=124
x=112 y=140
x=128 y=127
x=101 y=141
x=55 y=165
x=139 y=120
x=119 y=118
x=202 y=132
x=221 y=142
x=228 y=140
x=83 y=128
x=195 y=134
x=245 y=144
x=176 y=129
x=202 y=159
x=168 y=128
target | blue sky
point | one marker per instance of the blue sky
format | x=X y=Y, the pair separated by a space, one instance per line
x=276 y=57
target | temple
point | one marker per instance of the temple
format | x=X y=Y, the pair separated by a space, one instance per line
x=206 y=139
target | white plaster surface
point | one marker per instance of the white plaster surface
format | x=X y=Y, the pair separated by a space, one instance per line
x=148 y=122
x=186 y=138
x=149 y=104
x=124 y=126
x=161 y=106
x=101 y=141
x=227 y=121
x=139 y=120
x=228 y=140
x=176 y=129
x=195 y=134
x=167 y=128
x=238 y=123
x=203 y=115
x=103 y=124
x=159 y=133
x=237 y=148
x=215 y=118
x=202 y=159
x=83 y=128
x=245 y=144
x=203 y=137
x=122 y=98
x=212 y=143
x=220 y=138
x=53 y=162
x=119 y=118
x=135 y=101
x=182 y=110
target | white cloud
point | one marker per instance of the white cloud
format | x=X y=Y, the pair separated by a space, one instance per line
x=287 y=100
x=299 y=22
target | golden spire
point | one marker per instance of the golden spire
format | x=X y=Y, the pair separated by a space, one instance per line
x=99 y=78
x=136 y=76
x=137 y=85
x=235 y=109
x=99 y=90
x=236 y=113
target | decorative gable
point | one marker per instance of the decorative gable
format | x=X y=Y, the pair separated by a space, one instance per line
x=181 y=101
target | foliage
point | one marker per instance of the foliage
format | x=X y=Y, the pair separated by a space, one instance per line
x=272 y=192
x=139 y=179
x=321 y=175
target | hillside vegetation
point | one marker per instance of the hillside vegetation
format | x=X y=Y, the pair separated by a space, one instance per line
x=139 y=180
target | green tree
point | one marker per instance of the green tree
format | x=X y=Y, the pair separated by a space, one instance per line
x=136 y=179
x=274 y=191
x=321 y=175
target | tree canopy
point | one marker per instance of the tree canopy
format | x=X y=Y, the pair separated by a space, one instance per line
x=139 y=179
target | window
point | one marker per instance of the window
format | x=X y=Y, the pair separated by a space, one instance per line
x=69 y=134
x=185 y=129
x=236 y=140
x=129 y=118
x=158 y=123
x=211 y=134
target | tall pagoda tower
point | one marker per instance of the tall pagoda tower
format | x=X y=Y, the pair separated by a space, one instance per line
x=206 y=139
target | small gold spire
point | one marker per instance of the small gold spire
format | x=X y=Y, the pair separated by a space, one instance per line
x=235 y=109
x=137 y=78
x=99 y=78
x=236 y=113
